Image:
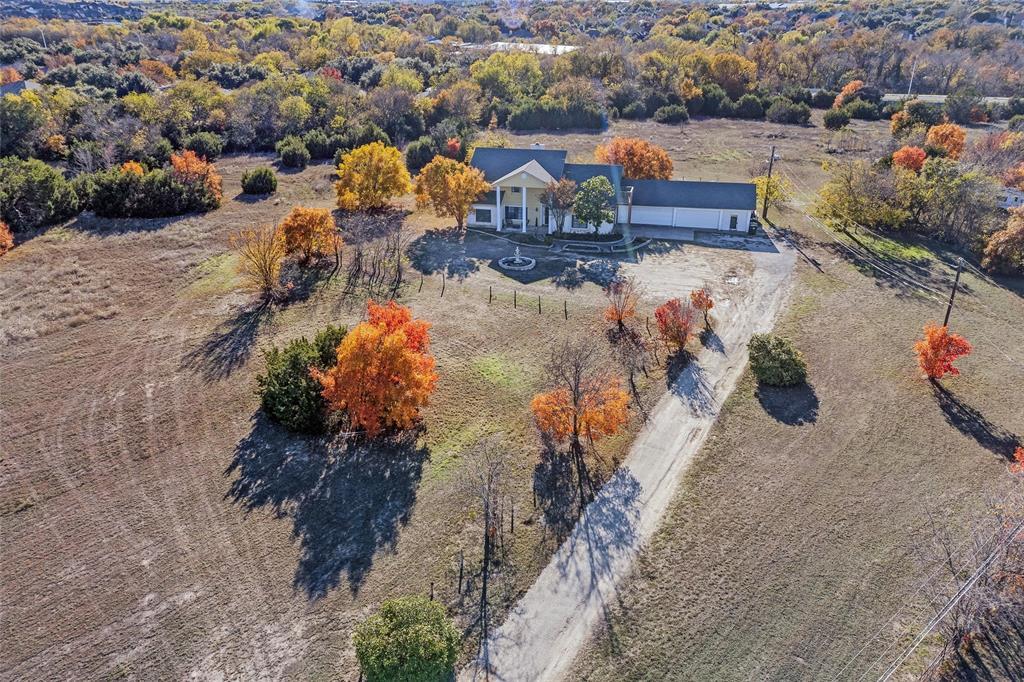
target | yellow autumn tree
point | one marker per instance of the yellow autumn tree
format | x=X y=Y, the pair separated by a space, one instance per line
x=261 y=252
x=369 y=176
x=450 y=187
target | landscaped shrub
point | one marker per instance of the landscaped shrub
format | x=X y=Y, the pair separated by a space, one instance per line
x=837 y=118
x=207 y=145
x=288 y=393
x=635 y=111
x=863 y=109
x=33 y=194
x=260 y=180
x=675 y=113
x=783 y=110
x=293 y=152
x=749 y=106
x=775 y=361
x=410 y=639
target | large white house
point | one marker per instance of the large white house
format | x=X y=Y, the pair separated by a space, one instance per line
x=518 y=178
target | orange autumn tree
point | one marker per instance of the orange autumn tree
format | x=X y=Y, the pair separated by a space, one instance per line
x=200 y=176
x=450 y=187
x=623 y=294
x=947 y=136
x=6 y=238
x=585 y=402
x=702 y=301
x=309 y=232
x=384 y=372
x=848 y=93
x=938 y=350
x=640 y=160
x=909 y=158
x=133 y=167
x=675 y=320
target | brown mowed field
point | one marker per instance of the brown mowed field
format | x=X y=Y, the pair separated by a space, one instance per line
x=154 y=525
x=802 y=545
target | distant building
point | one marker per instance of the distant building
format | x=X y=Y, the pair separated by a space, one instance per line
x=536 y=48
x=17 y=87
x=1011 y=198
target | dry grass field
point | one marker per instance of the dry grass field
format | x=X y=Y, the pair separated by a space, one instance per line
x=155 y=525
x=804 y=531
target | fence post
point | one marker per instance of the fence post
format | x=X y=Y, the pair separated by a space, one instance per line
x=421 y=281
x=444 y=280
x=515 y=298
x=490 y=293
x=431 y=590
x=538 y=305
x=565 y=307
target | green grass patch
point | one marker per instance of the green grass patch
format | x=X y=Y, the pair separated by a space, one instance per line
x=894 y=249
x=215 y=275
x=501 y=371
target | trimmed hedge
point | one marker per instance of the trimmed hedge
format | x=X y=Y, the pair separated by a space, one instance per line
x=260 y=180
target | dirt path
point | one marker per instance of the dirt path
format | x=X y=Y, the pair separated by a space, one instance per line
x=545 y=631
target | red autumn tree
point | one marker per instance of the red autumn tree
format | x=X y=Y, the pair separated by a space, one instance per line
x=675 y=320
x=938 y=350
x=623 y=294
x=910 y=158
x=1017 y=466
x=702 y=301
x=384 y=372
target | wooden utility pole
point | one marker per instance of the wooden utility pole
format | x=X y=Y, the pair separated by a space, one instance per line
x=952 y=294
x=768 y=185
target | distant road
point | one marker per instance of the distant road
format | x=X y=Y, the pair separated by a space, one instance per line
x=938 y=99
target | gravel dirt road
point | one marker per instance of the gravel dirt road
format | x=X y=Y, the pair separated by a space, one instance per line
x=543 y=633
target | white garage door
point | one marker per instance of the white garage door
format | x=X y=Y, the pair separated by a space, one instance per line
x=695 y=217
x=651 y=215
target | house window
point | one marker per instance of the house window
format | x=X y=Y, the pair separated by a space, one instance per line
x=514 y=190
x=513 y=212
x=733 y=221
x=483 y=215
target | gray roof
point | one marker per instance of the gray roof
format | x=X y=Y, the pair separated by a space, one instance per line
x=18 y=86
x=581 y=172
x=497 y=163
x=684 y=193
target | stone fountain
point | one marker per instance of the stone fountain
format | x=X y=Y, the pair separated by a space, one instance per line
x=517 y=261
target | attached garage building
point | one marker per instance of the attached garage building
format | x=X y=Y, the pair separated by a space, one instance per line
x=721 y=206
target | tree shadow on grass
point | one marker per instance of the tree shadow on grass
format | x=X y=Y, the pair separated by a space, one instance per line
x=554 y=483
x=792 y=405
x=600 y=271
x=973 y=423
x=347 y=501
x=712 y=341
x=229 y=346
x=442 y=251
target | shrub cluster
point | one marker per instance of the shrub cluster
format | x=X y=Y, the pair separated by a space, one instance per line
x=673 y=113
x=33 y=194
x=207 y=145
x=260 y=180
x=785 y=110
x=836 y=119
x=555 y=115
x=288 y=394
x=192 y=184
x=776 y=361
x=293 y=152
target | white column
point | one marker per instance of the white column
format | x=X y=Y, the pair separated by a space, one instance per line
x=524 y=210
x=497 y=208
